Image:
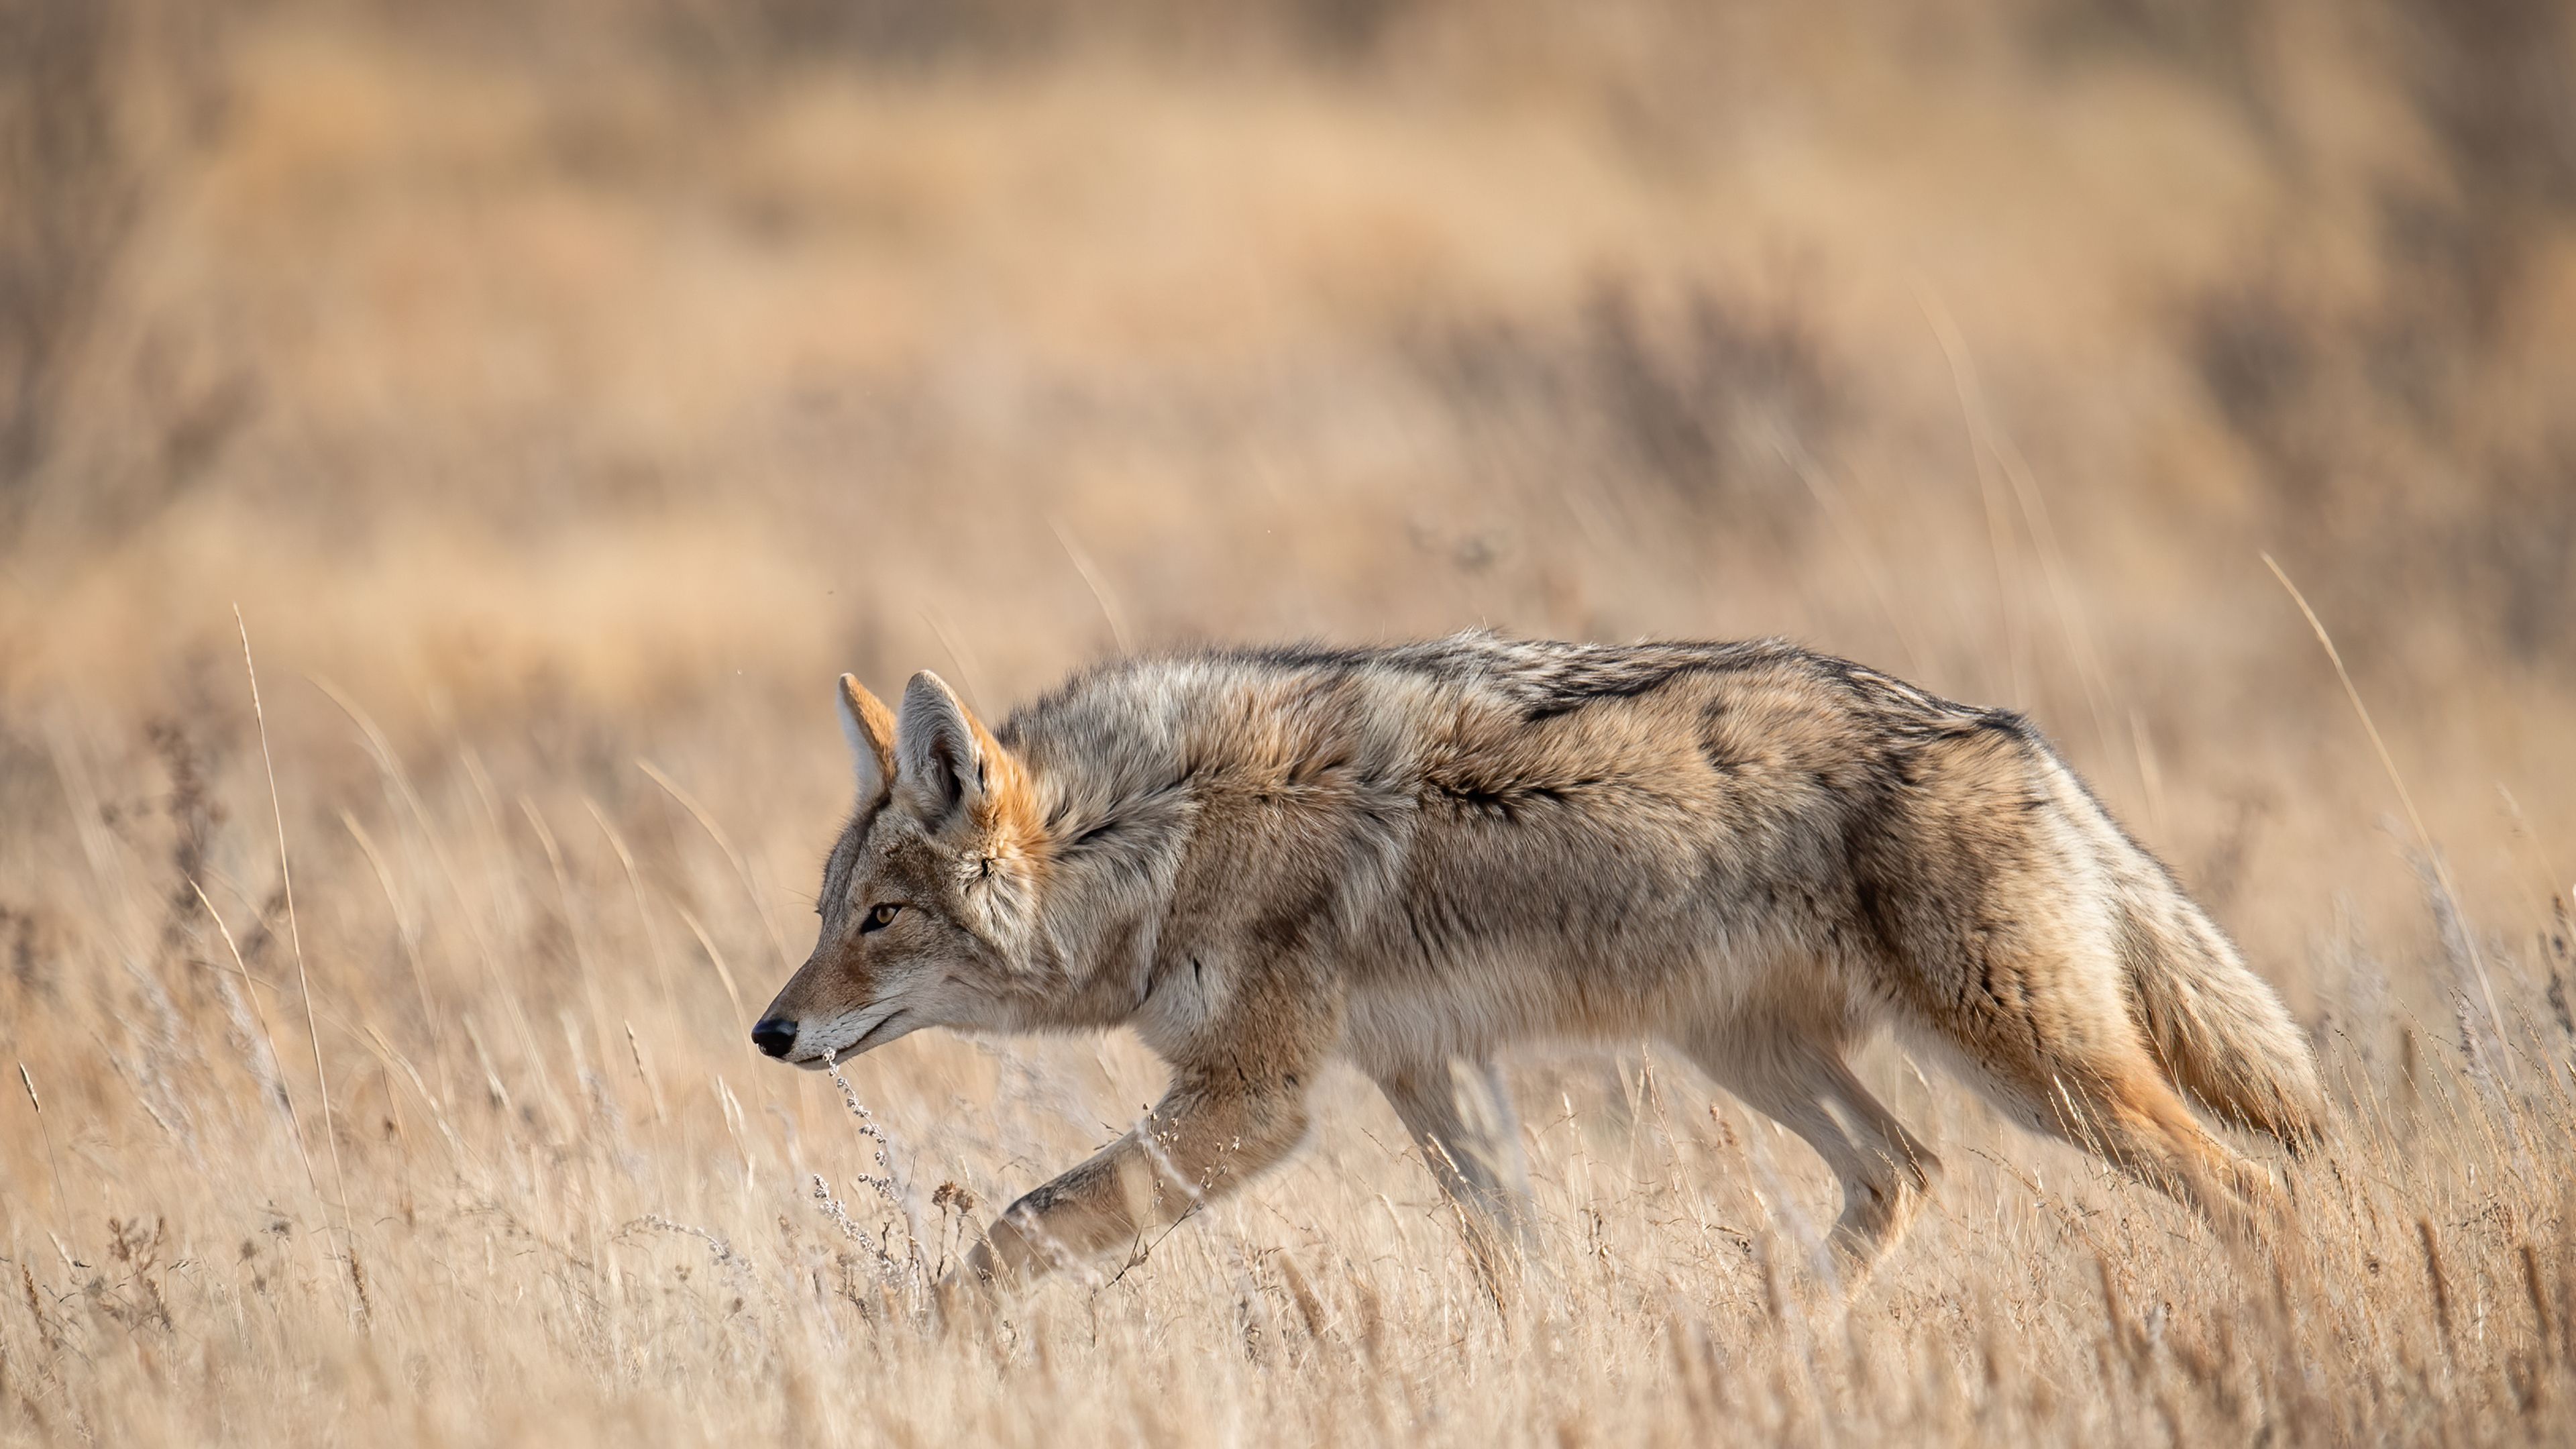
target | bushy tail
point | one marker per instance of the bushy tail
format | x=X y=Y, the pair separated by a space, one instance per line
x=2219 y=1031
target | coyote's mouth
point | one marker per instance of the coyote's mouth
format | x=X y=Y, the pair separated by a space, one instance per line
x=875 y=1034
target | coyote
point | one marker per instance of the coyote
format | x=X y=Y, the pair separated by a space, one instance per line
x=1409 y=857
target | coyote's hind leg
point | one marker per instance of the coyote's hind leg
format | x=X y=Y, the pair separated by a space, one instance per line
x=1802 y=1082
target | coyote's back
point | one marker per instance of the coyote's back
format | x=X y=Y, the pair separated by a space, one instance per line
x=1412 y=857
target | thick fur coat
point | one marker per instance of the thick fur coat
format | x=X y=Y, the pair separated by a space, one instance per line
x=1408 y=858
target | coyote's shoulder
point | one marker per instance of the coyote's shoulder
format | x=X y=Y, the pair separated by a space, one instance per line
x=1410 y=857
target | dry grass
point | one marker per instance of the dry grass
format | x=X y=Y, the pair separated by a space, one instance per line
x=561 y=390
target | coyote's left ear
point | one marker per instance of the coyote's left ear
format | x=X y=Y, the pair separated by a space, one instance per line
x=947 y=762
x=869 y=727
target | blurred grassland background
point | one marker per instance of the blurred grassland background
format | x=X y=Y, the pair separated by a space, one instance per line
x=556 y=387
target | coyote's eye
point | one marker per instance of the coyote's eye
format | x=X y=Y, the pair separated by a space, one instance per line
x=879 y=918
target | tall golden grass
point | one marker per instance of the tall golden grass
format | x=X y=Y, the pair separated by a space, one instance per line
x=564 y=394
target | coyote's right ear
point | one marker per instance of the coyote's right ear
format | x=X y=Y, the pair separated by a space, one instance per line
x=869 y=727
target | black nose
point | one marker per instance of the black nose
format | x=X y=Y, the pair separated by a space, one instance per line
x=774 y=1036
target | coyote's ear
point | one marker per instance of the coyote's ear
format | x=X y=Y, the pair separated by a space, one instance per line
x=869 y=727
x=945 y=759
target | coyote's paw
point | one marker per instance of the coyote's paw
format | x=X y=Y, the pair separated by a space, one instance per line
x=968 y=1303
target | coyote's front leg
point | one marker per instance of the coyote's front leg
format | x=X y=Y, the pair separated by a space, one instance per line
x=1200 y=1142
x=1245 y=1034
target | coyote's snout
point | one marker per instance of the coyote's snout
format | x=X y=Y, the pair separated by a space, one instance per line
x=1407 y=858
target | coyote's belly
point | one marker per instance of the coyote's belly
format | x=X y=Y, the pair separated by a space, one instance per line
x=1481 y=998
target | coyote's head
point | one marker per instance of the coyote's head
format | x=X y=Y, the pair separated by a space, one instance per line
x=929 y=897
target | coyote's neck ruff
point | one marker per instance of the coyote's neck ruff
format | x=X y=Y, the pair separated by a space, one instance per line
x=1410 y=857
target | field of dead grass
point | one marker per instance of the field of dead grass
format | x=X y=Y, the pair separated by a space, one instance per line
x=563 y=394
